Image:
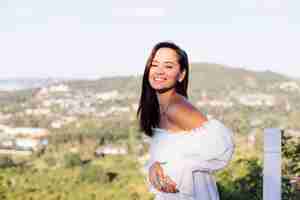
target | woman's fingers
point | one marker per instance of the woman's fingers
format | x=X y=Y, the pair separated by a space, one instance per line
x=168 y=188
x=160 y=173
x=170 y=181
x=154 y=176
x=160 y=177
x=151 y=179
x=171 y=185
x=160 y=181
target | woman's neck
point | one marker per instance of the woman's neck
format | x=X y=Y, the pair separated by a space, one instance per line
x=165 y=98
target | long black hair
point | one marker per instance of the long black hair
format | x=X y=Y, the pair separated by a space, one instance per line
x=148 y=110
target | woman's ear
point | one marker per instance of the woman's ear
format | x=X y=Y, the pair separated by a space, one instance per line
x=182 y=75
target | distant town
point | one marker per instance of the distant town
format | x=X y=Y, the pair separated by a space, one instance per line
x=61 y=139
x=51 y=105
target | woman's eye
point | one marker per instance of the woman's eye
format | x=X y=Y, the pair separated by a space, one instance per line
x=153 y=65
x=169 y=66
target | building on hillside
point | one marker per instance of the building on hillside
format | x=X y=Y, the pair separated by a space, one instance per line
x=56 y=124
x=59 y=88
x=110 y=150
x=105 y=96
x=251 y=81
x=289 y=86
x=38 y=111
x=256 y=100
x=28 y=139
x=293 y=132
x=135 y=106
x=40 y=94
x=215 y=103
x=212 y=102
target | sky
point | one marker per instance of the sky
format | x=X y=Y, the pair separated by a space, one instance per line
x=92 y=38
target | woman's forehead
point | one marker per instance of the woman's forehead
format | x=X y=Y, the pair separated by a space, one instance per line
x=165 y=55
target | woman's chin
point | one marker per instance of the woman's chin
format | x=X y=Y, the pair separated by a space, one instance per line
x=157 y=86
x=162 y=89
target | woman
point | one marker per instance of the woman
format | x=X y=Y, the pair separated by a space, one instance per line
x=185 y=147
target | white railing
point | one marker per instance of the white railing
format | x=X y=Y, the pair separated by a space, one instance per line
x=272 y=164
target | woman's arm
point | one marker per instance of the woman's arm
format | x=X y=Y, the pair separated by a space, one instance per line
x=208 y=145
x=184 y=115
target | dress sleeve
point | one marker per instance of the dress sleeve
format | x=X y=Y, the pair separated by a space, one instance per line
x=146 y=168
x=208 y=148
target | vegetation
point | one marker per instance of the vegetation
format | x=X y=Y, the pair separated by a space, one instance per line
x=101 y=179
x=69 y=168
x=70 y=171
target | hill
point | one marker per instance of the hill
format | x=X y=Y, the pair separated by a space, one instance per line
x=214 y=79
x=203 y=76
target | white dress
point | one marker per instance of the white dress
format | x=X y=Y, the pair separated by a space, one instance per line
x=190 y=158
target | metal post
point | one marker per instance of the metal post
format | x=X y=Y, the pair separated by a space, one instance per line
x=272 y=164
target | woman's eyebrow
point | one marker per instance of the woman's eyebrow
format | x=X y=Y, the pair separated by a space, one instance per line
x=167 y=62
x=170 y=62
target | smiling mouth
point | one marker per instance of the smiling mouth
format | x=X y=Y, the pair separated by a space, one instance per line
x=159 y=79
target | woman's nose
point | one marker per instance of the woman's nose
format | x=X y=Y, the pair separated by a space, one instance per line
x=159 y=70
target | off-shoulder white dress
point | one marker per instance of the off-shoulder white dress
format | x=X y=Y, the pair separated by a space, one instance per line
x=190 y=158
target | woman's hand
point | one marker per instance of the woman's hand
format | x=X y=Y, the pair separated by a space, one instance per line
x=160 y=181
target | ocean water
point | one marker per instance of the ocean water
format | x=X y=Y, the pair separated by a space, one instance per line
x=11 y=85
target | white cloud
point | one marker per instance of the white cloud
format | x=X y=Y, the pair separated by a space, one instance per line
x=23 y=12
x=138 y=12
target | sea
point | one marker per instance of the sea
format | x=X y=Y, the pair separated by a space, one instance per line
x=21 y=84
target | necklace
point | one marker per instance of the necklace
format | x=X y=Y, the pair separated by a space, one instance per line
x=163 y=111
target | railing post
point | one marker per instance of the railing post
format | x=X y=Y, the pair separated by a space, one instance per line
x=272 y=164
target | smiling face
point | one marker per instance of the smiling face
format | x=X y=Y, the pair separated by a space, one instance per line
x=165 y=70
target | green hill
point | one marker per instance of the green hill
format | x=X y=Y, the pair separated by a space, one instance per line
x=203 y=76
x=216 y=79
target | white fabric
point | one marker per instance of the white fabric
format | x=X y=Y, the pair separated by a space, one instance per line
x=190 y=158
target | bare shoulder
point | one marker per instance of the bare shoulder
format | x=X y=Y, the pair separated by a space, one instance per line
x=186 y=116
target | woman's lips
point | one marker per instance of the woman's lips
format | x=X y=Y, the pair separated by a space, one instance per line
x=159 y=80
